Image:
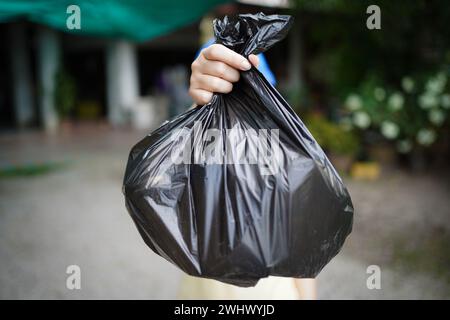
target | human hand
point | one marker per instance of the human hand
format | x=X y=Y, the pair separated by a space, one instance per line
x=215 y=70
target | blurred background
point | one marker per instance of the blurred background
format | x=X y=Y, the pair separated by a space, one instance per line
x=73 y=102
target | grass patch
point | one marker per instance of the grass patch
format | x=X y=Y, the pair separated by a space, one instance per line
x=30 y=170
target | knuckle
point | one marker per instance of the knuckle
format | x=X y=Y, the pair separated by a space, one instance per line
x=216 y=83
x=206 y=52
x=193 y=79
x=192 y=93
x=194 y=65
x=207 y=97
x=204 y=98
x=221 y=70
x=214 y=51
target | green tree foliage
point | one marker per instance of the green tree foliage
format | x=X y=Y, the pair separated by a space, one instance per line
x=341 y=52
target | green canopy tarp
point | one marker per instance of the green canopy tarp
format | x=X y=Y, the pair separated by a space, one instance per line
x=133 y=19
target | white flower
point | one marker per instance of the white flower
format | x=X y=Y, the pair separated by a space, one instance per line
x=353 y=102
x=426 y=137
x=428 y=101
x=442 y=77
x=379 y=94
x=396 y=101
x=390 y=129
x=404 y=146
x=408 y=84
x=436 y=116
x=437 y=84
x=361 y=119
x=445 y=101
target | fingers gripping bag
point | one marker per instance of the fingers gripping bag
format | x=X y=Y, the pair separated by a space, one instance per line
x=238 y=189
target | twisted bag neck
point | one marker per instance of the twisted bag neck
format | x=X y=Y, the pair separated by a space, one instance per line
x=251 y=33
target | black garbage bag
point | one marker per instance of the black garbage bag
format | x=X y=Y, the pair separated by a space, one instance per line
x=238 y=189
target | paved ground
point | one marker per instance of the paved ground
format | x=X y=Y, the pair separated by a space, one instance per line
x=76 y=215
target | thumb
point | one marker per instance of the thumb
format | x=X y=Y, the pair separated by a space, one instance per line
x=254 y=60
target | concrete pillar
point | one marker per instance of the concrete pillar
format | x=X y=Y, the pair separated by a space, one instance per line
x=48 y=55
x=122 y=81
x=24 y=111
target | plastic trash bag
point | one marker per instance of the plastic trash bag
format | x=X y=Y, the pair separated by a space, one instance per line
x=238 y=189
